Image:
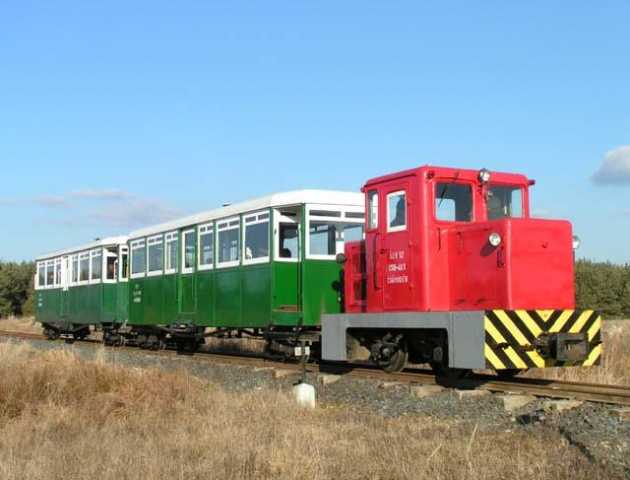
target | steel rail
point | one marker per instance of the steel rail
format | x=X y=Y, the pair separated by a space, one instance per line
x=592 y=392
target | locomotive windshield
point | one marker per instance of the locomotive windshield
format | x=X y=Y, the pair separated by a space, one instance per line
x=504 y=201
x=453 y=202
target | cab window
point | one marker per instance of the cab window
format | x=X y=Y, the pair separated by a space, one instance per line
x=504 y=201
x=453 y=202
x=396 y=211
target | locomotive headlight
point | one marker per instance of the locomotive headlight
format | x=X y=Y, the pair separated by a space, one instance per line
x=484 y=175
x=494 y=239
x=576 y=242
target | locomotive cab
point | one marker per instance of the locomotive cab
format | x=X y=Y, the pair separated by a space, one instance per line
x=441 y=239
x=453 y=271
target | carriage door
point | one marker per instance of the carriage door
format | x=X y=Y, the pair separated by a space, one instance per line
x=394 y=249
x=287 y=254
x=187 y=299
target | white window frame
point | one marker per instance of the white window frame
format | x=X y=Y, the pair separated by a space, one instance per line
x=71 y=281
x=206 y=229
x=170 y=237
x=255 y=219
x=83 y=256
x=222 y=226
x=57 y=281
x=138 y=245
x=184 y=270
x=399 y=228
x=66 y=272
x=107 y=254
x=122 y=249
x=155 y=240
x=341 y=219
x=371 y=205
x=49 y=263
x=95 y=253
x=279 y=218
x=38 y=285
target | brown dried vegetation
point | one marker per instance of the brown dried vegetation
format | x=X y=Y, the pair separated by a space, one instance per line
x=62 y=417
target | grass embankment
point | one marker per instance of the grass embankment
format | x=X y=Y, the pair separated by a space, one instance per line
x=62 y=417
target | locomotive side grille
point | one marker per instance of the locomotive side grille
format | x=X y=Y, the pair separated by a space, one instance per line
x=521 y=339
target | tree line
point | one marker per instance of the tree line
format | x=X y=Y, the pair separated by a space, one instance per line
x=602 y=286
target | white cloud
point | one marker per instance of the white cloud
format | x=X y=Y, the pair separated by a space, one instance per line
x=615 y=167
x=135 y=212
x=106 y=208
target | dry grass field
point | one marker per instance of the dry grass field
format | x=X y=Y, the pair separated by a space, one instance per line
x=62 y=417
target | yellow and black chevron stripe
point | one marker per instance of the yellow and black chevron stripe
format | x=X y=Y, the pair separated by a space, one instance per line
x=512 y=334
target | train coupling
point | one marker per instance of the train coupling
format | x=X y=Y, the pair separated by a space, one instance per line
x=564 y=347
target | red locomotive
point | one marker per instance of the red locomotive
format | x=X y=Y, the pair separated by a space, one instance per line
x=455 y=272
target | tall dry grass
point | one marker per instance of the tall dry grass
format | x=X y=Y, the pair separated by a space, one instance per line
x=20 y=324
x=62 y=417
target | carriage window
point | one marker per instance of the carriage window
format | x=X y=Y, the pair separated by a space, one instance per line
x=373 y=207
x=84 y=267
x=124 y=260
x=190 y=246
x=322 y=239
x=228 y=242
x=453 y=202
x=172 y=247
x=288 y=240
x=75 y=269
x=112 y=265
x=97 y=265
x=206 y=246
x=352 y=233
x=41 y=275
x=138 y=258
x=257 y=237
x=50 y=273
x=155 y=254
x=396 y=211
x=504 y=201
x=58 y=272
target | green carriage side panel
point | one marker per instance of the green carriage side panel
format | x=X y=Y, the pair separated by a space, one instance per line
x=122 y=302
x=256 y=295
x=285 y=298
x=109 y=312
x=48 y=305
x=321 y=281
x=152 y=299
x=205 y=298
x=136 y=303
x=227 y=295
x=170 y=298
x=187 y=294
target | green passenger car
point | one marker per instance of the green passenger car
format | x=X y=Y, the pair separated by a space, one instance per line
x=262 y=267
x=82 y=287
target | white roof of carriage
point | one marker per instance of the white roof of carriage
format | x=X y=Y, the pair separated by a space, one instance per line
x=297 y=197
x=105 y=242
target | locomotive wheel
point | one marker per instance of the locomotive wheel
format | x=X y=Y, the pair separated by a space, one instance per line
x=396 y=362
x=508 y=373
x=51 y=334
x=392 y=357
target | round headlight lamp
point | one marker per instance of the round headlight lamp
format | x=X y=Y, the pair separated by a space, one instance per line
x=494 y=239
x=484 y=175
x=576 y=242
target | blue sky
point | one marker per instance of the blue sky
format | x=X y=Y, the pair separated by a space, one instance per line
x=115 y=115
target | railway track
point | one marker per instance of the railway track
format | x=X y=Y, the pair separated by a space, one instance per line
x=611 y=394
